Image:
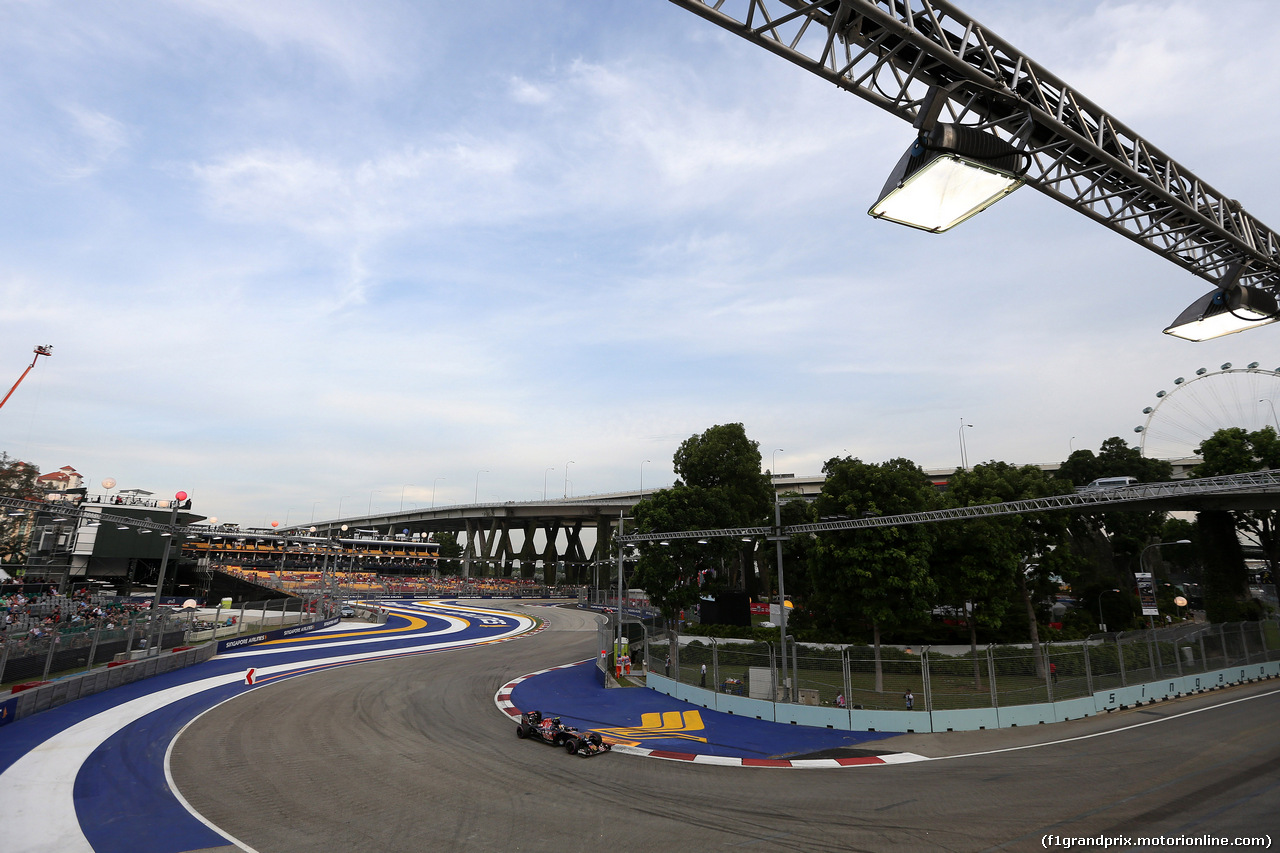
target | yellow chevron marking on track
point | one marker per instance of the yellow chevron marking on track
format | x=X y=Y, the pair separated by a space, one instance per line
x=659 y=726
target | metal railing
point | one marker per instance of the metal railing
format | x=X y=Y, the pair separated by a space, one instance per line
x=996 y=676
x=34 y=655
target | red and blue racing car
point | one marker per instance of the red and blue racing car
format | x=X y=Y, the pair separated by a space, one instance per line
x=550 y=730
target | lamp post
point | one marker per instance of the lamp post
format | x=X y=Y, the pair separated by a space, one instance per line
x=774 y=470
x=433 y=490
x=544 y=481
x=164 y=564
x=964 y=451
x=313 y=509
x=340 y=504
x=566 y=477
x=642 y=464
x=1142 y=557
x=1102 y=622
x=1142 y=565
x=779 y=538
x=371 y=494
x=402 y=488
x=476 y=498
x=1273 y=413
x=617 y=647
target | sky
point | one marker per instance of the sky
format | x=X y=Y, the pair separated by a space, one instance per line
x=304 y=259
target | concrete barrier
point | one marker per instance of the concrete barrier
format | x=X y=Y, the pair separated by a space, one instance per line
x=69 y=688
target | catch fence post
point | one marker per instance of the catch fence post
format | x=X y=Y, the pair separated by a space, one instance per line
x=1088 y=666
x=715 y=663
x=93 y=648
x=1048 y=671
x=48 y=659
x=991 y=677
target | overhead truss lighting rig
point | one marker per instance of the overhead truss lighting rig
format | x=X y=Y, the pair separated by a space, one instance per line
x=990 y=118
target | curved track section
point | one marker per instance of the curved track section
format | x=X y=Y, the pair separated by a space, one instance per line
x=90 y=775
x=409 y=754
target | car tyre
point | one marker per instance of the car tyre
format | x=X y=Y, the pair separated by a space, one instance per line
x=521 y=733
x=571 y=746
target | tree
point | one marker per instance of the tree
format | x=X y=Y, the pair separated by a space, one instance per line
x=723 y=460
x=449 y=547
x=877 y=576
x=670 y=573
x=1113 y=540
x=17 y=480
x=1236 y=451
x=990 y=566
x=719 y=486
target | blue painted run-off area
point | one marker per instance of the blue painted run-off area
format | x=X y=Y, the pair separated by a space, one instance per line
x=575 y=695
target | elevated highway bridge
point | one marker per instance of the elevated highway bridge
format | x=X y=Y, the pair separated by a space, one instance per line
x=499 y=533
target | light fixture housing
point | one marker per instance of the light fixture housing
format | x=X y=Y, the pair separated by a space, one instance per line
x=951 y=173
x=1224 y=312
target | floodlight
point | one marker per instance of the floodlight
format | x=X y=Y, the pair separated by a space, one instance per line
x=950 y=173
x=1224 y=312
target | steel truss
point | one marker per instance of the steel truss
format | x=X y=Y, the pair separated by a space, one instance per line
x=890 y=52
x=1106 y=499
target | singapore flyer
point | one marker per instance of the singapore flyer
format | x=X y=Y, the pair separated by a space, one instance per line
x=1192 y=408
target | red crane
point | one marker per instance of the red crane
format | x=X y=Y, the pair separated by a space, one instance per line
x=47 y=349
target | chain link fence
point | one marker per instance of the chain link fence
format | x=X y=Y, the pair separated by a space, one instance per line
x=993 y=676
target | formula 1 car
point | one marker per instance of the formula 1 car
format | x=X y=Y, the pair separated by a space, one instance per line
x=550 y=730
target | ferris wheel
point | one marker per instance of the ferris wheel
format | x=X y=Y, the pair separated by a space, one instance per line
x=1211 y=400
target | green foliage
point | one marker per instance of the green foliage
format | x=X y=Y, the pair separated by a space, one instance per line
x=1235 y=451
x=1115 y=458
x=875 y=575
x=720 y=486
x=17 y=480
x=1112 y=541
x=1225 y=579
x=669 y=573
x=449 y=547
x=979 y=561
x=724 y=461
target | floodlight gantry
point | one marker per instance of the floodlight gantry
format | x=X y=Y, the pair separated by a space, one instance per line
x=893 y=53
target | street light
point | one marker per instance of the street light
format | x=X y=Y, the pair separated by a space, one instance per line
x=402 y=488
x=964 y=451
x=1102 y=623
x=779 y=538
x=544 y=481
x=774 y=470
x=1151 y=576
x=313 y=509
x=1273 y=413
x=340 y=504
x=1142 y=557
x=642 y=464
x=433 y=490
x=476 y=498
x=164 y=559
x=566 y=477
x=371 y=494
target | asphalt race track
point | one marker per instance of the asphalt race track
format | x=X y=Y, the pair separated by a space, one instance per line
x=411 y=754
